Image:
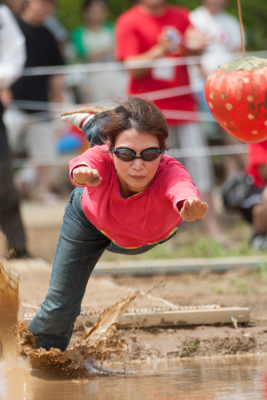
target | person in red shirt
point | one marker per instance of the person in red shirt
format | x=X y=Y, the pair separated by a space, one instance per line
x=129 y=198
x=247 y=192
x=150 y=31
x=256 y=168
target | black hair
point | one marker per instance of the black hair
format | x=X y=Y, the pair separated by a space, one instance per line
x=142 y=115
x=88 y=3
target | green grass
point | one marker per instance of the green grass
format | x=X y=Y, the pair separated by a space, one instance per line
x=191 y=242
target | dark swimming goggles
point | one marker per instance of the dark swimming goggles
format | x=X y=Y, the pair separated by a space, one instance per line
x=125 y=154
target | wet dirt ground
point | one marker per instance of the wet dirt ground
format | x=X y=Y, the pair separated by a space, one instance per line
x=234 y=288
x=243 y=288
x=198 y=362
x=240 y=288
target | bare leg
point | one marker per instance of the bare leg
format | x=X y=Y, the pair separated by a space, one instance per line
x=259 y=214
x=43 y=186
x=232 y=162
x=210 y=221
x=191 y=136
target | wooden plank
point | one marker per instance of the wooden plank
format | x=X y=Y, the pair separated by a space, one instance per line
x=175 y=266
x=172 y=318
x=184 y=318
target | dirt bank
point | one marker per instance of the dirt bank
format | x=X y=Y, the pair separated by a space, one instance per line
x=234 y=288
x=190 y=342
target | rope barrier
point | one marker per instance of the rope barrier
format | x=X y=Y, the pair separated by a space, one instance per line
x=196 y=116
x=175 y=153
x=208 y=151
x=115 y=66
x=48 y=111
x=155 y=95
x=54 y=114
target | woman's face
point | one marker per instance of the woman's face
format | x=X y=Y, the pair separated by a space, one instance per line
x=135 y=176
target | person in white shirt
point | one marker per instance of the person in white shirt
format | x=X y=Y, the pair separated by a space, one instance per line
x=224 y=39
x=12 y=58
x=13 y=53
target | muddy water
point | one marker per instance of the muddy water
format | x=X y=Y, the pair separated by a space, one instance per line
x=31 y=374
x=233 y=378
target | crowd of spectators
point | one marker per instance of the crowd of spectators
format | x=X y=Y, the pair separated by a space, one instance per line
x=149 y=31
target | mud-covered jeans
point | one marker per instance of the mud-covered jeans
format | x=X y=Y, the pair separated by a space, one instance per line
x=79 y=247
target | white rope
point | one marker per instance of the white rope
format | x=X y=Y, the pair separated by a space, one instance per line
x=175 y=153
x=54 y=110
x=208 y=151
x=188 y=115
x=43 y=161
x=154 y=95
x=194 y=116
x=116 y=66
x=172 y=92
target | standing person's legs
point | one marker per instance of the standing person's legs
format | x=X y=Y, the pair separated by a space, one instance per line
x=10 y=220
x=15 y=122
x=79 y=247
x=232 y=162
x=191 y=135
x=41 y=145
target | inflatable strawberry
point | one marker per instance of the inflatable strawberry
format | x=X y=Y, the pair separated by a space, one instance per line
x=236 y=94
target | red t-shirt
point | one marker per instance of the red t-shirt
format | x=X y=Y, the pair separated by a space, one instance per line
x=257 y=155
x=136 y=32
x=145 y=218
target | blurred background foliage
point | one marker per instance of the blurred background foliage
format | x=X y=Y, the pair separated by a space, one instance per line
x=254 y=15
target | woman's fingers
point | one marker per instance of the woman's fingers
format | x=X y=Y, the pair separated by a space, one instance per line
x=204 y=206
x=193 y=209
x=93 y=178
x=87 y=176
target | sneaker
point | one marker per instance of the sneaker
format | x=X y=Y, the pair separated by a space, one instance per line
x=259 y=242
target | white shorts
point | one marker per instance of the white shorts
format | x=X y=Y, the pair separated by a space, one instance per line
x=191 y=135
x=39 y=136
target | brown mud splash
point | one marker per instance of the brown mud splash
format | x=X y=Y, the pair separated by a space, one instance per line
x=99 y=342
x=9 y=308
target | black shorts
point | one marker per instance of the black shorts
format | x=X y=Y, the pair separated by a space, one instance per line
x=247 y=204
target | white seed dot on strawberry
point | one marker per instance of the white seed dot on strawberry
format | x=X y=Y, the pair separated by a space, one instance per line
x=236 y=90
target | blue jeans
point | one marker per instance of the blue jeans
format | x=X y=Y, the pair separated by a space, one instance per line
x=79 y=247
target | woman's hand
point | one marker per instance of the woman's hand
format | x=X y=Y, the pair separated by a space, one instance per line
x=193 y=210
x=84 y=175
